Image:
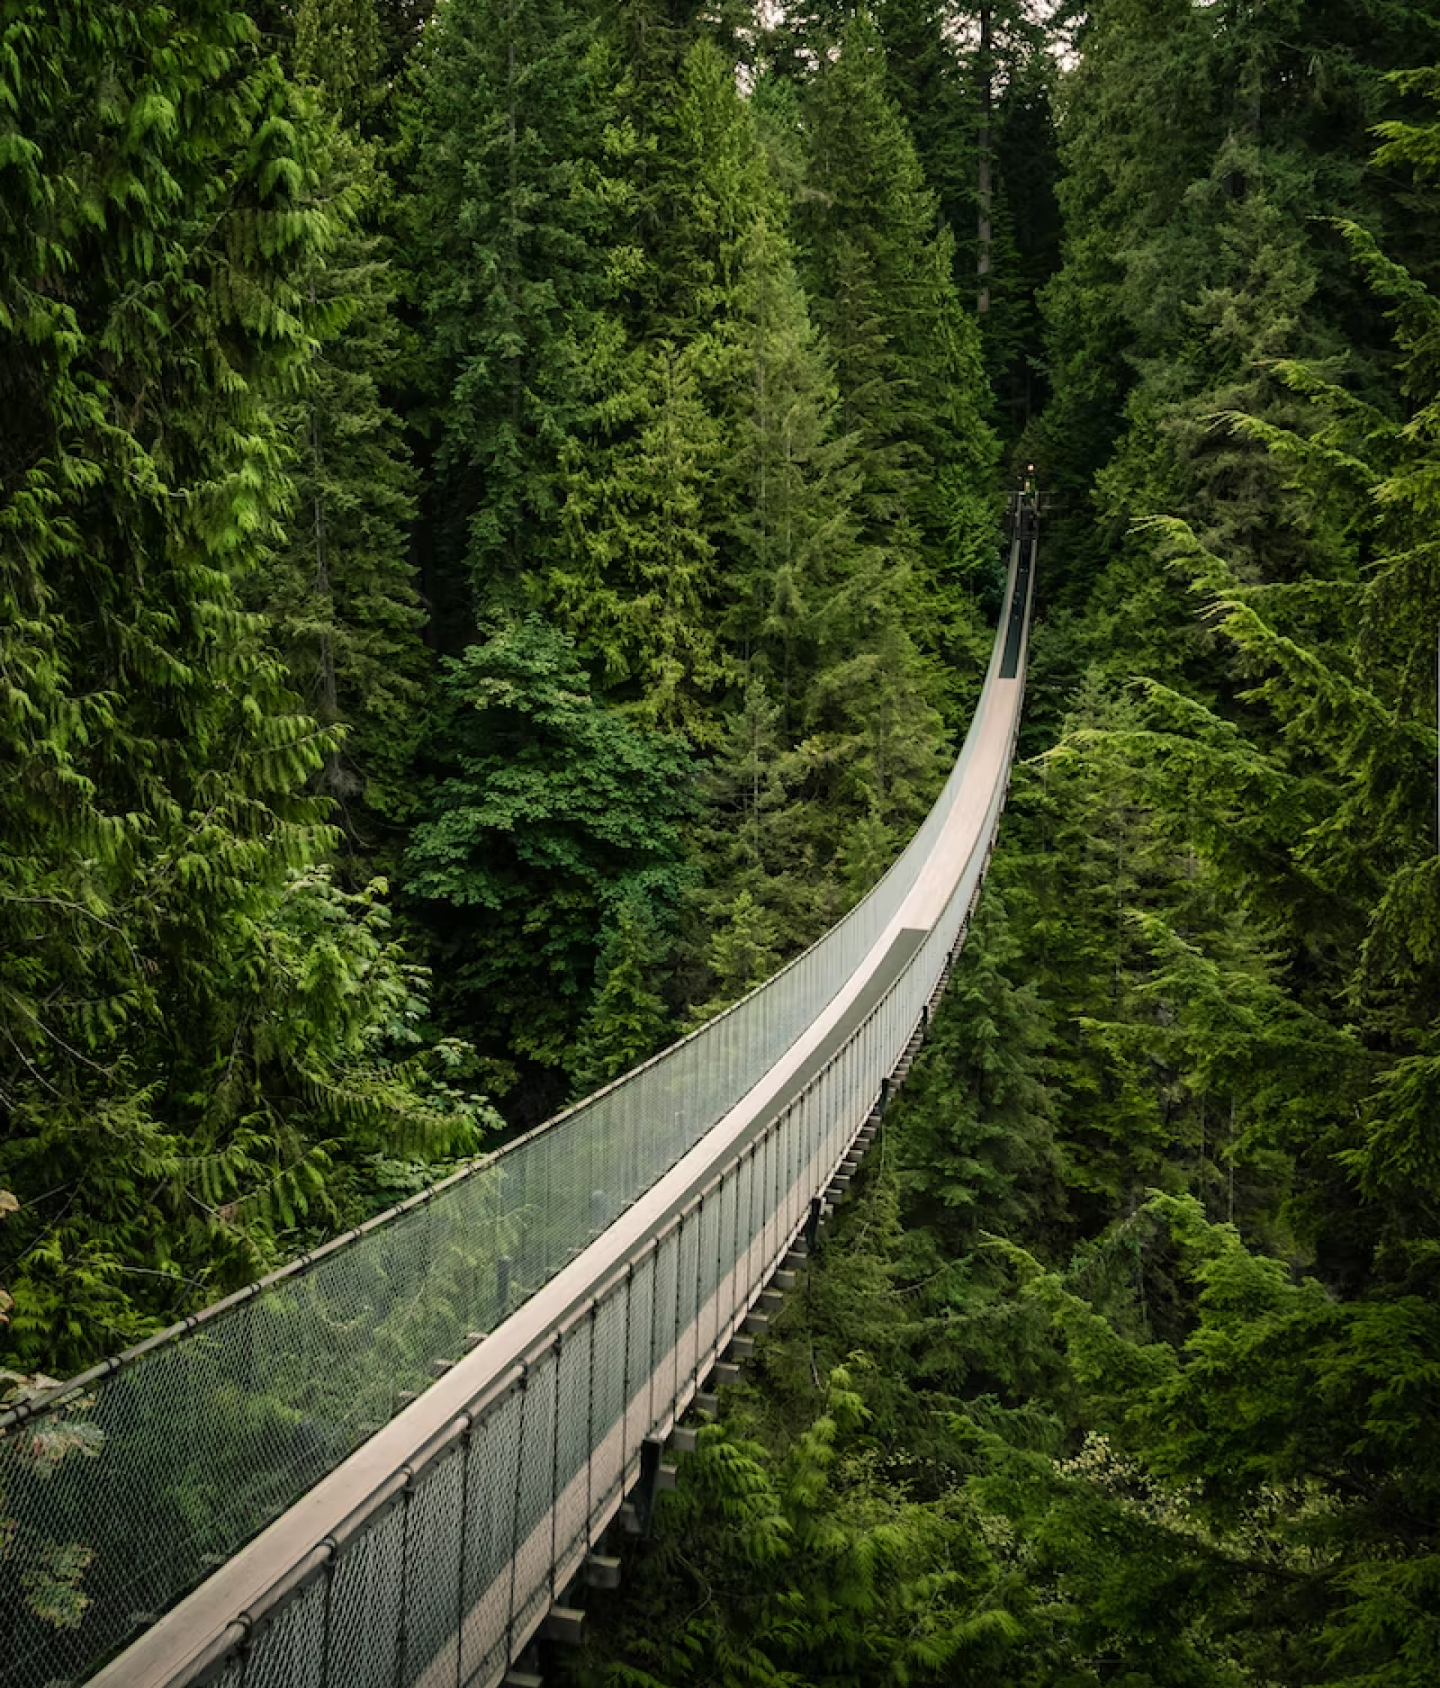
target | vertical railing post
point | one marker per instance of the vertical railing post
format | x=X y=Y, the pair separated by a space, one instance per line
x=625 y=1383
x=766 y=1198
x=734 y=1181
x=466 y=1446
x=590 y=1432
x=558 y=1363
x=524 y=1386
x=676 y=1325
x=699 y=1282
x=402 y=1632
x=719 y=1256
x=326 y=1620
x=654 y=1335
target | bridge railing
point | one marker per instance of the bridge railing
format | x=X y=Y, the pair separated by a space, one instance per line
x=441 y=1577
x=129 y=1483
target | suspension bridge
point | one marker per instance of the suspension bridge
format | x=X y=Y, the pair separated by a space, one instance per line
x=390 y=1464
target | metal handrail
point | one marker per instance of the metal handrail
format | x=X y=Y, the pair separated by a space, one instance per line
x=260 y=1588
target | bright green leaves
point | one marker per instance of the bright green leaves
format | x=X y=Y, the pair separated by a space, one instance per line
x=199 y=1026
x=821 y=1573
x=339 y=594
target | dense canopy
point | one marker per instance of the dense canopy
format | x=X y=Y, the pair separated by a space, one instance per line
x=500 y=509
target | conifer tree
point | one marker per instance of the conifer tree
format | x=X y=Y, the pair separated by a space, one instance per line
x=811 y=617
x=340 y=44
x=1134 y=141
x=744 y=950
x=340 y=594
x=930 y=83
x=906 y=352
x=978 y=1153
x=646 y=501
x=547 y=812
x=972 y=82
x=759 y=841
x=509 y=253
x=172 y=1045
x=627 y=1018
x=639 y=584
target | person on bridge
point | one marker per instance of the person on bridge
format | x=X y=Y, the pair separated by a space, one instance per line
x=1029 y=504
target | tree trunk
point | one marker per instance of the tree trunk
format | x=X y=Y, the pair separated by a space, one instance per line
x=986 y=183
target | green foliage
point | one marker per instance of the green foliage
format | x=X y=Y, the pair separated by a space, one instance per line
x=195 y=1020
x=547 y=815
x=640 y=596
x=978 y=1153
x=1143 y=1285
x=627 y=1018
x=339 y=595
x=743 y=953
x=51 y=1584
x=907 y=355
x=936 y=75
x=507 y=241
x=821 y=1573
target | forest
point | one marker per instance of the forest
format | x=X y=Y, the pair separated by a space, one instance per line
x=501 y=517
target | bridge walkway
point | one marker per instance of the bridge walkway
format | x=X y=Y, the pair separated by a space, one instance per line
x=400 y=1452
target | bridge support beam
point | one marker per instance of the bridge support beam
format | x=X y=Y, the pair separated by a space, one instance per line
x=565 y=1624
x=602 y=1571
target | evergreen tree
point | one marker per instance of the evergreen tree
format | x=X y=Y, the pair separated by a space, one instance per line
x=341 y=45
x=627 y=1018
x=340 y=594
x=906 y=353
x=743 y=952
x=973 y=84
x=931 y=83
x=509 y=251
x=1133 y=144
x=648 y=502
x=978 y=1151
x=173 y=1046
x=767 y=854
x=638 y=589
x=1027 y=239
x=548 y=813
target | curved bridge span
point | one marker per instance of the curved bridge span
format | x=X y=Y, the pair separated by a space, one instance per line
x=431 y=1421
